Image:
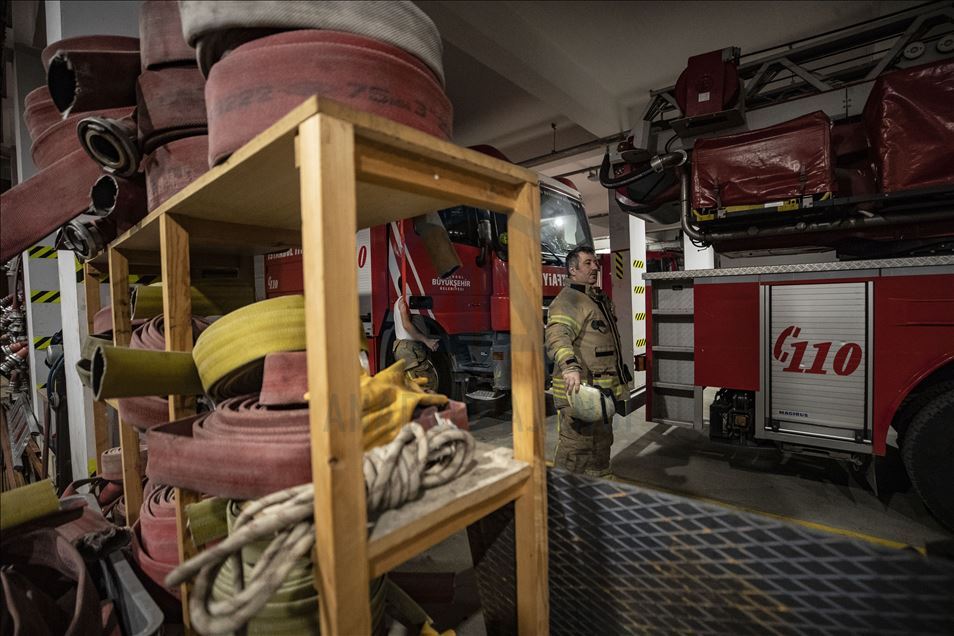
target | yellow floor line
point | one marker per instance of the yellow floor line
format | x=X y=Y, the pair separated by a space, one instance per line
x=808 y=524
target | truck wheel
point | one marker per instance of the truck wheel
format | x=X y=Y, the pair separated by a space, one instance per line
x=928 y=449
x=914 y=404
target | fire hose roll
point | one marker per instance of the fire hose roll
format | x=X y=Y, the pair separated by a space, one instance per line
x=156 y=550
x=111 y=463
x=212 y=452
x=171 y=105
x=113 y=195
x=92 y=80
x=174 y=166
x=39 y=112
x=145 y=412
x=32 y=209
x=112 y=143
x=119 y=203
x=210 y=297
x=227 y=370
x=61 y=138
x=123 y=372
x=261 y=81
x=160 y=35
x=88 y=43
x=216 y=27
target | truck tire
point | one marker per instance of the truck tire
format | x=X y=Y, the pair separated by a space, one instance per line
x=928 y=449
x=915 y=403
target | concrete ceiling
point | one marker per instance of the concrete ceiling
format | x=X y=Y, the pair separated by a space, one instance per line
x=516 y=69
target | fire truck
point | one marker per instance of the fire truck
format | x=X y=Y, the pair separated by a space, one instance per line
x=829 y=144
x=469 y=309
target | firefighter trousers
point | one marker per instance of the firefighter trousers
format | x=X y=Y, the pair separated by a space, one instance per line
x=583 y=447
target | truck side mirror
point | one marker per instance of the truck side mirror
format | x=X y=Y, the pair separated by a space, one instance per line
x=484 y=232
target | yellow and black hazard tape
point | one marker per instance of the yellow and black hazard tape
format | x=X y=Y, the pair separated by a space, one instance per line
x=41 y=385
x=640 y=315
x=639 y=289
x=42 y=251
x=44 y=296
x=638 y=264
x=42 y=343
x=618 y=265
x=640 y=342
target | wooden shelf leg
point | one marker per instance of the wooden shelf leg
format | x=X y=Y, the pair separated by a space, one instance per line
x=128 y=436
x=177 y=324
x=93 y=305
x=526 y=339
x=328 y=209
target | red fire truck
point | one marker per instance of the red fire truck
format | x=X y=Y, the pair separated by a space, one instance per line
x=820 y=358
x=469 y=309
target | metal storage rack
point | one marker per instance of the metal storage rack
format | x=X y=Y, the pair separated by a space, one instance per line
x=312 y=179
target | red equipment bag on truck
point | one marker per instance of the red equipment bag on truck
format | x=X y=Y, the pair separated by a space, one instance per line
x=781 y=162
x=909 y=117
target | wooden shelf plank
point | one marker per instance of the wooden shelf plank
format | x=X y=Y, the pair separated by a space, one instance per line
x=401 y=534
x=401 y=173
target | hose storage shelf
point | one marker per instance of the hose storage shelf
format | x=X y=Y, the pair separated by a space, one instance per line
x=313 y=179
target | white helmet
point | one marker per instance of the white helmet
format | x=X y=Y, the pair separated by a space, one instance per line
x=591 y=404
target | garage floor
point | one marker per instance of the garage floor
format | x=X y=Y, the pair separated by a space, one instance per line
x=809 y=490
x=819 y=492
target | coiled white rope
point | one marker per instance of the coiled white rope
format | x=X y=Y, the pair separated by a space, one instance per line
x=394 y=474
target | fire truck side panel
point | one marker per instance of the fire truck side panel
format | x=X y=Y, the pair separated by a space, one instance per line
x=726 y=336
x=914 y=336
x=460 y=301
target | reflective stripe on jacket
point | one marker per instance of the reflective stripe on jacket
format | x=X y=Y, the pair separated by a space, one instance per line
x=581 y=334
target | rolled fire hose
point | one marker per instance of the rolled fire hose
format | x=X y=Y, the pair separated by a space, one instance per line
x=124 y=372
x=160 y=35
x=145 y=412
x=93 y=80
x=393 y=475
x=215 y=28
x=156 y=550
x=171 y=105
x=113 y=195
x=112 y=143
x=290 y=610
x=85 y=364
x=26 y=503
x=119 y=203
x=88 y=43
x=111 y=463
x=174 y=166
x=38 y=603
x=227 y=370
x=211 y=452
x=39 y=112
x=47 y=200
x=261 y=81
x=61 y=139
x=210 y=297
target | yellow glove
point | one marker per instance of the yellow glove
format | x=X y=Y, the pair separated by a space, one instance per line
x=388 y=401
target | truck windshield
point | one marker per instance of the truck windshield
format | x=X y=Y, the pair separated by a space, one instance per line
x=563 y=225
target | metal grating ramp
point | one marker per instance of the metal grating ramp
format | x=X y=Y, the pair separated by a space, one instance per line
x=627 y=560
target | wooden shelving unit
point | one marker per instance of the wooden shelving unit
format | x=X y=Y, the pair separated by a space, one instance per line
x=313 y=179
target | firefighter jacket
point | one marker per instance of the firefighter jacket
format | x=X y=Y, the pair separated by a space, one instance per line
x=581 y=334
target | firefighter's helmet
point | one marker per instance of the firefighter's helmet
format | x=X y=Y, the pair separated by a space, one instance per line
x=592 y=404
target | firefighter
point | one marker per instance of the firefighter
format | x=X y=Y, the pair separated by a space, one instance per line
x=411 y=345
x=583 y=342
